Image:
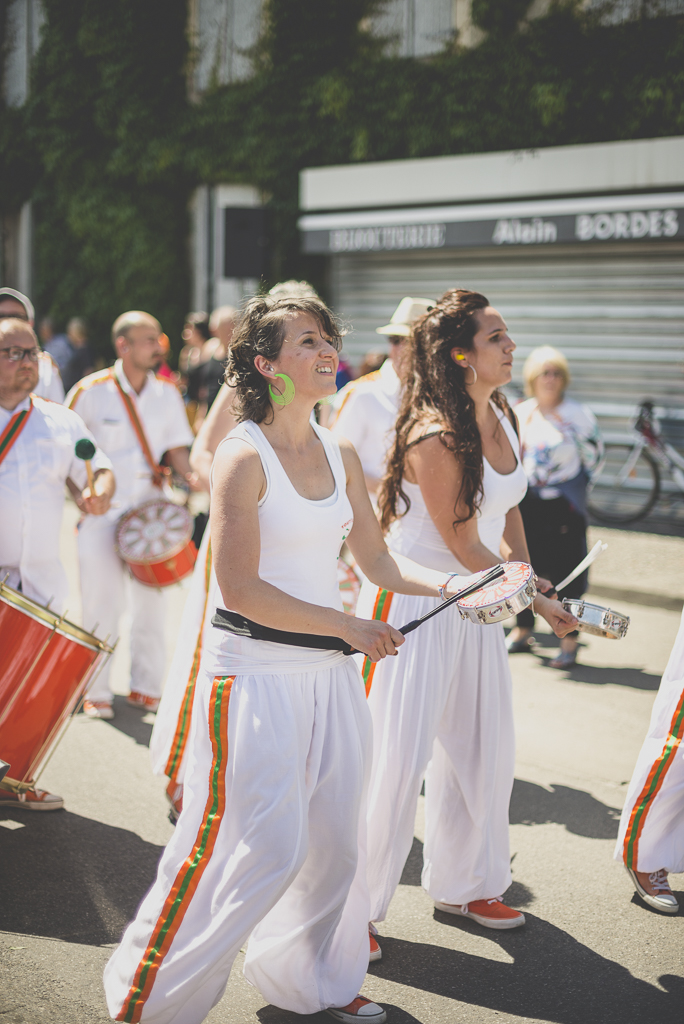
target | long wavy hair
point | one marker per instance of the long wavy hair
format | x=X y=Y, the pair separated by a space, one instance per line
x=261 y=332
x=435 y=391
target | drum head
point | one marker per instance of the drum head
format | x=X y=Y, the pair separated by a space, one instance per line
x=516 y=576
x=155 y=530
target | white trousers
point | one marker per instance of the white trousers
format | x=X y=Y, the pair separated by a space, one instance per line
x=651 y=833
x=268 y=844
x=106 y=590
x=443 y=704
x=169 y=740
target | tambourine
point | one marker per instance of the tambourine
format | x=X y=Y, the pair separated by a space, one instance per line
x=595 y=619
x=501 y=598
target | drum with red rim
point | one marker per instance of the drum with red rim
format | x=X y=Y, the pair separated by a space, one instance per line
x=155 y=541
x=47 y=665
x=503 y=597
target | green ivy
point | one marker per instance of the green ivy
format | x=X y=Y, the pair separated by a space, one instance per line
x=110 y=147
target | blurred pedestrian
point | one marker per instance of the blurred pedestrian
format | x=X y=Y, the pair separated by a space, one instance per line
x=561 y=445
x=82 y=361
x=196 y=333
x=205 y=379
x=365 y=410
x=137 y=418
x=371 y=362
x=16 y=305
x=56 y=345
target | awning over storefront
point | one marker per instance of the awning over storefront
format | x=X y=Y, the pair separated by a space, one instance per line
x=538 y=223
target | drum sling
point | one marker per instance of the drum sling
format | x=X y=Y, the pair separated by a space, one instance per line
x=13 y=430
x=159 y=473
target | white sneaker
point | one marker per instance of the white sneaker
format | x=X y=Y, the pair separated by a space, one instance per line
x=360 y=1010
x=662 y=899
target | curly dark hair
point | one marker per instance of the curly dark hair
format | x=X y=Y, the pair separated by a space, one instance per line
x=260 y=332
x=435 y=390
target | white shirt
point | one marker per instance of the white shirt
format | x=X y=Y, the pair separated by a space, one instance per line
x=557 y=444
x=162 y=415
x=366 y=415
x=49 y=381
x=32 y=478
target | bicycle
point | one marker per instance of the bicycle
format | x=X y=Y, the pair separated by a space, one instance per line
x=627 y=481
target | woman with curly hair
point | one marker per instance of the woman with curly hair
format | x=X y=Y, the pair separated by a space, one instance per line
x=449 y=500
x=271 y=834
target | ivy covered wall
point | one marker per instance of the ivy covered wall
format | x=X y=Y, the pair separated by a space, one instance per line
x=110 y=147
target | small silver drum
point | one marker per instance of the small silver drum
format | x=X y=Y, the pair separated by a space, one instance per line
x=503 y=597
x=594 y=619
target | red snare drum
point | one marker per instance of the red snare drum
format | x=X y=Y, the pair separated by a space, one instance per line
x=155 y=541
x=47 y=665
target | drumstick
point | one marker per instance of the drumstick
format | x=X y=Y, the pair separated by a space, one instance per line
x=85 y=449
x=598 y=547
x=494 y=574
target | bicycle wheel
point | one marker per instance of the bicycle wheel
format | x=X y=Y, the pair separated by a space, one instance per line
x=625 y=487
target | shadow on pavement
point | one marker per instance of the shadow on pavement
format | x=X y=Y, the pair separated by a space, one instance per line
x=273 y=1015
x=580 y=812
x=130 y=721
x=553 y=978
x=68 y=877
x=602 y=676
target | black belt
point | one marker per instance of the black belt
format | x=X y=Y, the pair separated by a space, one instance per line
x=240 y=626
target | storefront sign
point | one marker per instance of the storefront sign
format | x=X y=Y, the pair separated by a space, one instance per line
x=545 y=223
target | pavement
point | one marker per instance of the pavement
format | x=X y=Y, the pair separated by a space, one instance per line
x=590 y=952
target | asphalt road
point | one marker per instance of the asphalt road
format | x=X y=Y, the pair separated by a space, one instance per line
x=590 y=953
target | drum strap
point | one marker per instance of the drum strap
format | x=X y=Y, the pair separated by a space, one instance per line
x=13 y=430
x=159 y=473
x=240 y=626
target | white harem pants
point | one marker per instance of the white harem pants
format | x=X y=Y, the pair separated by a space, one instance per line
x=442 y=712
x=267 y=846
x=106 y=587
x=651 y=833
x=169 y=740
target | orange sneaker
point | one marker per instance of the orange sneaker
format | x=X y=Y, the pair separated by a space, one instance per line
x=31 y=800
x=375 y=951
x=359 y=1011
x=141 y=700
x=98 y=709
x=490 y=913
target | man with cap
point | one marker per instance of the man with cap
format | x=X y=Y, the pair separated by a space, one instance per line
x=137 y=418
x=16 y=305
x=37 y=457
x=365 y=410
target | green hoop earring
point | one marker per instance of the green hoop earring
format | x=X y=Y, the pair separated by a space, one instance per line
x=285 y=396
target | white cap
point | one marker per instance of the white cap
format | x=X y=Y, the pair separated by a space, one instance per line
x=23 y=300
x=404 y=317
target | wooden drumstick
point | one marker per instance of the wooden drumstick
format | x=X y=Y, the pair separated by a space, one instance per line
x=85 y=449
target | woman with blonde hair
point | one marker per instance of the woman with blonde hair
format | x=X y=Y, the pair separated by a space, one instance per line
x=561 y=446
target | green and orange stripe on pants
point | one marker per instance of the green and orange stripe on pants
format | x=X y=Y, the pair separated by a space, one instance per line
x=652 y=786
x=180 y=738
x=193 y=867
x=381 y=610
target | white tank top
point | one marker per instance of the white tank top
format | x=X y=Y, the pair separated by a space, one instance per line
x=416 y=536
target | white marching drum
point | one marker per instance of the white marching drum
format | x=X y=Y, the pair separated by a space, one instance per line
x=593 y=618
x=503 y=597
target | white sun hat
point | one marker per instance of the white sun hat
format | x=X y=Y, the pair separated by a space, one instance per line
x=404 y=317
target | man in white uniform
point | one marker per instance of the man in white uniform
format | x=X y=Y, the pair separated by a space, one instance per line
x=651 y=835
x=161 y=417
x=365 y=410
x=16 y=305
x=37 y=457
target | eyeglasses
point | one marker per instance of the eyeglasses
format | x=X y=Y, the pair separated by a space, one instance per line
x=16 y=354
x=552 y=373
